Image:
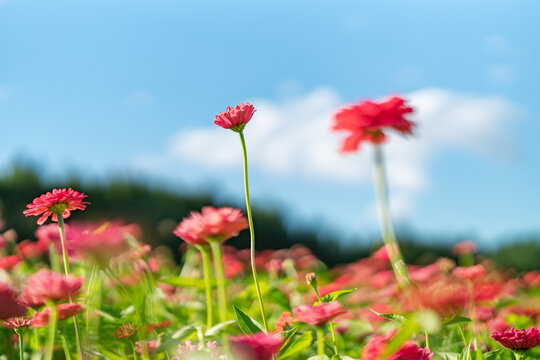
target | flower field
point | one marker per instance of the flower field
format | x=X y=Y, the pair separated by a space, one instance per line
x=95 y=291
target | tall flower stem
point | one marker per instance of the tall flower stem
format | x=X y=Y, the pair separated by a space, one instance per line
x=217 y=253
x=330 y=323
x=53 y=318
x=205 y=253
x=62 y=231
x=252 y=232
x=389 y=238
x=320 y=342
x=21 y=345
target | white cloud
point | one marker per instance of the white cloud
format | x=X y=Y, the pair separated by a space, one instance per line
x=293 y=139
x=500 y=74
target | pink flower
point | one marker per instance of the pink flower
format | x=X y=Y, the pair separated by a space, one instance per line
x=211 y=224
x=235 y=118
x=464 y=247
x=284 y=319
x=150 y=345
x=9 y=262
x=188 y=348
x=260 y=346
x=17 y=322
x=10 y=306
x=469 y=272
x=408 y=351
x=65 y=311
x=518 y=339
x=318 y=314
x=367 y=120
x=60 y=201
x=47 y=285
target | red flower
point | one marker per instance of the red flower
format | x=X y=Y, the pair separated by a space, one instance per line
x=47 y=285
x=65 y=311
x=211 y=224
x=235 y=118
x=126 y=331
x=60 y=201
x=260 y=346
x=10 y=306
x=464 y=247
x=366 y=121
x=318 y=314
x=518 y=339
x=17 y=322
x=9 y=262
x=408 y=351
x=469 y=272
x=284 y=319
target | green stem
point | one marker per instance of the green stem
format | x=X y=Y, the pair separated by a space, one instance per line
x=21 y=347
x=389 y=238
x=53 y=314
x=320 y=342
x=207 y=284
x=62 y=232
x=330 y=323
x=518 y=355
x=252 y=232
x=220 y=275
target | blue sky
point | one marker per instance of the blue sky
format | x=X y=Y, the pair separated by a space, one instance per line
x=131 y=87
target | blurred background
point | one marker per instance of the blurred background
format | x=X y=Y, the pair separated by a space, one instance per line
x=116 y=98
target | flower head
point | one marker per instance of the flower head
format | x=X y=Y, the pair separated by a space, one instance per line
x=188 y=349
x=367 y=120
x=149 y=345
x=10 y=306
x=125 y=331
x=65 y=311
x=260 y=346
x=376 y=347
x=464 y=247
x=318 y=314
x=469 y=272
x=48 y=285
x=17 y=323
x=518 y=339
x=211 y=224
x=235 y=118
x=60 y=201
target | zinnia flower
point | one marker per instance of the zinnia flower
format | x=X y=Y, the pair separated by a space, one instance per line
x=65 y=311
x=260 y=346
x=60 y=201
x=10 y=307
x=367 y=120
x=125 y=331
x=187 y=349
x=469 y=272
x=17 y=323
x=318 y=314
x=235 y=118
x=150 y=345
x=464 y=247
x=211 y=224
x=408 y=351
x=518 y=339
x=47 y=285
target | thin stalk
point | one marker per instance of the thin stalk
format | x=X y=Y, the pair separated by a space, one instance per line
x=518 y=355
x=21 y=346
x=62 y=231
x=330 y=323
x=207 y=284
x=220 y=275
x=320 y=342
x=53 y=315
x=252 y=233
x=66 y=348
x=389 y=238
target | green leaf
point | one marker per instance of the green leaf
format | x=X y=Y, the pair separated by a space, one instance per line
x=455 y=320
x=247 y=324
x=176 y=338
x=494 y=354
x=186 y=282
x=216 y=329
x=466 y=352
x=287 y=335
x=393 y=317
x=301 y=343
x=407 y=331
x=280 y=298
x=334 y=295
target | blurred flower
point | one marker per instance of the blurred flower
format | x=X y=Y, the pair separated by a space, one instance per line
x=518 y=339
x=235 y=118
x=464 y=248
x=408 y=351
x=65 y=311
x=215 y=224
x=318 y=314
x=469 y=272
x=48 y=285
x=445 y=297
x=260 y=346
x=284 y=319
x=125 y=331
x=367 y=120
x=33 y=249
x=60 y=201
x=188 y=348
x=157 y=326
x=17 y=323
x=150 y=345
x=10 y=306
x=9 y=262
